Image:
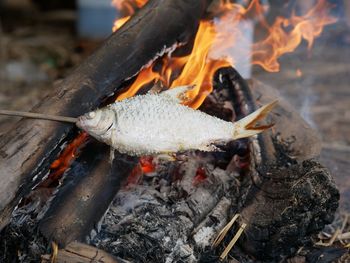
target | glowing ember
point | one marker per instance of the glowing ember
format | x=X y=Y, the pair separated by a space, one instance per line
x=147 y=164
x=144 y=166
x=200 y=176
x=135 y=176
x=63 y=162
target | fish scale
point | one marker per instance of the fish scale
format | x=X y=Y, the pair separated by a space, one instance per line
x=157 y=123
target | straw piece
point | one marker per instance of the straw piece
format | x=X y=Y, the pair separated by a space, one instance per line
x=224 y=231
x=233 y=241
x=54 y=252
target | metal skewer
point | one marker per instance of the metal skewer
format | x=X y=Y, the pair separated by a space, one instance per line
x=38 y=116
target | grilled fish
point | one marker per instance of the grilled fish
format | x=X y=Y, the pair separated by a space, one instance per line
x=158 y=123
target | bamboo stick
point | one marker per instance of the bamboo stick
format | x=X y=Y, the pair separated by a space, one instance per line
x=41 y=116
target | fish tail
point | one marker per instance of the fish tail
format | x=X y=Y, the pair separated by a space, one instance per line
x=247 y=127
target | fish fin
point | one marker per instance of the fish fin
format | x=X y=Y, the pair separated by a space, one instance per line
x=246 y=127
x=156 y=89
x=209 y=148
x=111 y=155
x=168 y=157
x=178 y=94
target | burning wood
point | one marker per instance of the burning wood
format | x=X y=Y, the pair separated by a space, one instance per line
x=83 y=199
x=28 y=149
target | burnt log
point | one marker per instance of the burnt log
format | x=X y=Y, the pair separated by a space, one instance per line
x=292 y=196
x=85 y=195
x=289 y=206
x=28 y=148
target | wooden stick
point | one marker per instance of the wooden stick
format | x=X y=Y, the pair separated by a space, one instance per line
x=34 y=115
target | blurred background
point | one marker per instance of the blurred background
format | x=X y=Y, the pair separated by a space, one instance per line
x=41 y=41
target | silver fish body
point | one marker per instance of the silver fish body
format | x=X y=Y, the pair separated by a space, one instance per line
x=157 y=123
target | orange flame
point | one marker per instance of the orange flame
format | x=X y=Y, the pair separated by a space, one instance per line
x=69 y=153
x=127 y=9
x=286 y=34
x=64 y=160
x=216 y=39
x=197 y=69
x=120 y=22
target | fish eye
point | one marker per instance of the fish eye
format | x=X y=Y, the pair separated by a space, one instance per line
x=91 y=115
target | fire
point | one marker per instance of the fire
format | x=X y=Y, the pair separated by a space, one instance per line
x=67 y=156
x=197 y=70
x=145 y=76
x=64 y=160
x=147 y=164
x=119 y=22
x=212 y=49
x=127 y=8
x=216 y=38
x=286 y=34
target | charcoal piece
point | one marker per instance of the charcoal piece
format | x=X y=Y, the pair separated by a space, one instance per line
x=284 y=211
x=326 y=255
x=85 y=195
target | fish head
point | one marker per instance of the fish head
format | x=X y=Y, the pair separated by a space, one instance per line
x=98 y=123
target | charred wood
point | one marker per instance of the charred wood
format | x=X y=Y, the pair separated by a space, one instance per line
x=85 y=195
x=292 y=204
x=292 y=196
x=28 y=148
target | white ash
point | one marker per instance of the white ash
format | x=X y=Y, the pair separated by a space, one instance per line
x=204 y=236
x=148 y=220
x=182 y=252
x=206 y=232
